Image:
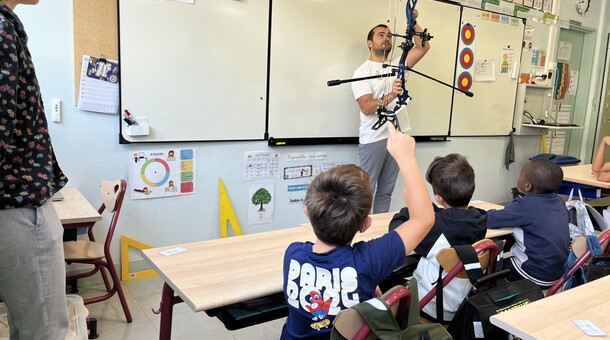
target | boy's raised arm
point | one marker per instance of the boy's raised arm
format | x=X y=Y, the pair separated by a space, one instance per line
x=415 y=194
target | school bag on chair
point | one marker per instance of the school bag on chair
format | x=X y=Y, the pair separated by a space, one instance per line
x=490 y=295
x=377 y=315
x=597 y=268
x=584 y=219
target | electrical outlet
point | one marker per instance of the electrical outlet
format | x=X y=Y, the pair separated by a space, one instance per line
x=56 y=109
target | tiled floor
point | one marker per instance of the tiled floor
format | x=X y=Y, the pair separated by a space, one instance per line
x=143 y=295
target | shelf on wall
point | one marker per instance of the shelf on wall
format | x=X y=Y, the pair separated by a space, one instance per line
x=552 y=127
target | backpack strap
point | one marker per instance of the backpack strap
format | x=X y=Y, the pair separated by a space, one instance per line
x=378 y=315
x=413 y=318
x=440 y=313
x=572 y=195
x=594 y=246
x=594 y=249
x=597 y=217
x=471 y=262
x=469 y=258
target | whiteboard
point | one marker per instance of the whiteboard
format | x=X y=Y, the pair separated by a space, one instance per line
x=196 y=71
x=254 y=70
x=316 y=41
x=430 y=109
x=490 y=111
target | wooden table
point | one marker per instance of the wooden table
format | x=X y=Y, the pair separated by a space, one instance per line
x=551 y=317
x=582 y=174
x=381 y=222
x=216 y=273
x=75 y=208
x=578 y=178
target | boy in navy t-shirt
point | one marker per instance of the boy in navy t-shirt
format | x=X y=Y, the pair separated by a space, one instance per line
x=324 y=277
x=540 y=225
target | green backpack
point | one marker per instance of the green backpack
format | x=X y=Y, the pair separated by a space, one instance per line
x=378 y=315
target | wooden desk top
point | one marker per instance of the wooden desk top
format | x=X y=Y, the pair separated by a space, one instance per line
x=582 y=174
x=381 y=222
x=551 y=317
x=75 y=208
x=215 y=273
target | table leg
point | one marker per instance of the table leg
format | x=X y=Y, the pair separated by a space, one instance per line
x=168 y=300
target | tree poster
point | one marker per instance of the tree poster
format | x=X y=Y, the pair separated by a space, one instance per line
x=260 y=203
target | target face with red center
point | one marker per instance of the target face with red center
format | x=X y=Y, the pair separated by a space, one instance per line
x=467 y=34
x=466 y=58
x=464 y=81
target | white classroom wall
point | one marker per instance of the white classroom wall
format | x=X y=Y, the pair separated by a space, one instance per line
x=87 y=147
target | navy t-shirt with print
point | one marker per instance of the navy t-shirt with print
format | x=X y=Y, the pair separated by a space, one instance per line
x=317 y=286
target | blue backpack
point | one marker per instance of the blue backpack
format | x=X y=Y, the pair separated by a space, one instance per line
x=598 y=267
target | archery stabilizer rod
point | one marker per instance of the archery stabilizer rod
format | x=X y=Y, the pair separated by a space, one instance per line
x=342 y=81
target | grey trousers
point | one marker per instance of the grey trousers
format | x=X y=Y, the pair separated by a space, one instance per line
x=383 y=169
x=33 y=273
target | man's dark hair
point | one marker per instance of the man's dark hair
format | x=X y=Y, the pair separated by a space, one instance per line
x=338 y=201
x=370 y=35
x=452 y=178
x=544 y=175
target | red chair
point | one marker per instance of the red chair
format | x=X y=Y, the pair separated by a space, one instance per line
x=487 y=252
x=583 y=254
x=98 y=254
x=352 y=326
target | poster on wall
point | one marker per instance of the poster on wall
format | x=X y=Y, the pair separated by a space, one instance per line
x=261 y=165
x=260 y=207
x=162 y=173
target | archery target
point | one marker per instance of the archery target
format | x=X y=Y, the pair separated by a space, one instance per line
x=466 y=58
x=155 y=172
x=467 y=34
x=464 y=81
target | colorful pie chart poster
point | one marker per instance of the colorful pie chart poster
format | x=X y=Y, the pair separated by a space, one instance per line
x=162 y=173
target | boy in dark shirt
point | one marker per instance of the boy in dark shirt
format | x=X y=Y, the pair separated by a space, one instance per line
x=452 y=180
x=540 y=225
x=324 y=277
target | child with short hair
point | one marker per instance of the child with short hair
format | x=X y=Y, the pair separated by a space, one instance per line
x=452 y=180
x=324 y=277
x=540 y=225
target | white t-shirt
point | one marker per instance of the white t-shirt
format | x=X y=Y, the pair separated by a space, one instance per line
x=376 y=87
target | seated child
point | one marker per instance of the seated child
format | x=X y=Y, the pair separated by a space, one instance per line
x=324 y=277
x=452 y=180
x=600 y=169
x=540 y=222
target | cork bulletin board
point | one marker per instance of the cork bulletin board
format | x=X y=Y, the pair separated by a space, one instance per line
x=95 y=24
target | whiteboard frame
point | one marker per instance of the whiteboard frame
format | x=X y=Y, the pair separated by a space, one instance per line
x=177 y=69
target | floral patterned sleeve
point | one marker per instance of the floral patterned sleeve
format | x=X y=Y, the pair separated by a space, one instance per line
x=8 y=84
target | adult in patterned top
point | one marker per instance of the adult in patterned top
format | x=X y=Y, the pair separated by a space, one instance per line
x=32 y=270
x=371 y=94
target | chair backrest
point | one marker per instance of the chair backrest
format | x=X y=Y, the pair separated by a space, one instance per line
x=112 y=196
x=487 y=252
x=351 y=325
x=581 y=250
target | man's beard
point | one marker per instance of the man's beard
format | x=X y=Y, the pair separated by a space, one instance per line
x=382 y=51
